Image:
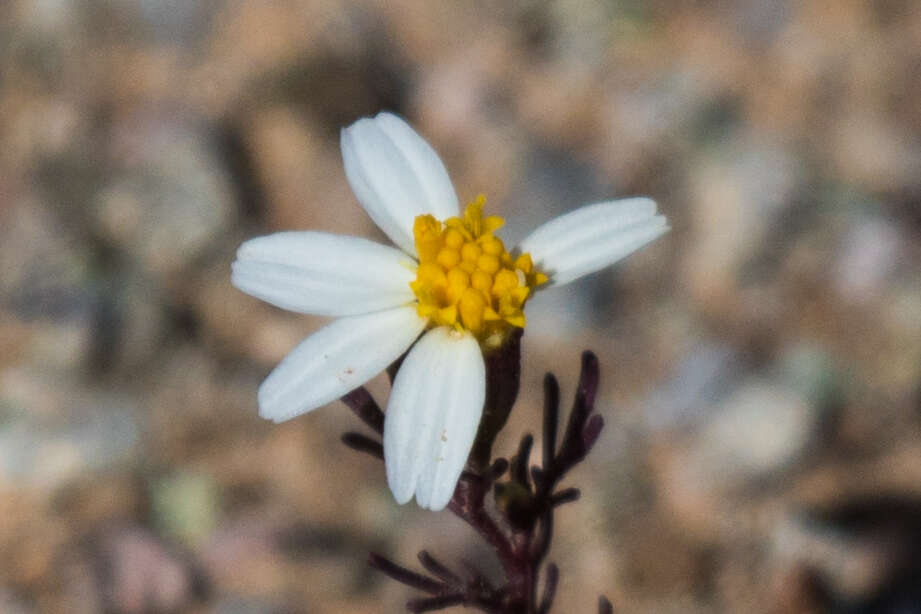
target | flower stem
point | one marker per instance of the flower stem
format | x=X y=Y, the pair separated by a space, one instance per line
x=519 y=528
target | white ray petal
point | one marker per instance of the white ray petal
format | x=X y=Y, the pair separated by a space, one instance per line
x=432 y=417
x=424 y=160
x=337 y=359
x=593 y=237
x=324 y=274
x=396 y=176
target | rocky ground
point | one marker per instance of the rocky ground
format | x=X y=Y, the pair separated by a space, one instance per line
x=761 y=362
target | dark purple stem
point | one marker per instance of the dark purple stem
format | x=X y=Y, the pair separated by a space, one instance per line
x=521 y=528
x=366 y=408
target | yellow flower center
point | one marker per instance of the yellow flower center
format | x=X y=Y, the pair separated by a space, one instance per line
x=466 y=278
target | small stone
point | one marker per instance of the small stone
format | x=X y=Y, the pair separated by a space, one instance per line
x=45 y=267
x=141 y=573
x=702 y=376
x=297 y=170
x=870 y=148
x=760 y=429
x=706 y=476
x=170 y=199
x=54 y=431
x=869 y=253
x=736 y=197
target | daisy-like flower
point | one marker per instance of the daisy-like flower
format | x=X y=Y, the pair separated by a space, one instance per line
x=449 y=277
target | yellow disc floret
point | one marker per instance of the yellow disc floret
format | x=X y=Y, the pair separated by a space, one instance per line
x=466 y=278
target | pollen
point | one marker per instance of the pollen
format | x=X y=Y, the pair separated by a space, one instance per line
x=467 y=279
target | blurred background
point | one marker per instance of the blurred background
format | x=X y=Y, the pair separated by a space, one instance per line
x=760 y=363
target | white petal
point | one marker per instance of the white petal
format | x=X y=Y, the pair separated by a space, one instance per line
x=324 y=274
x=396 y=176
x=337 y=359
x=432 y=417
x=593 y=237
x=425 y=163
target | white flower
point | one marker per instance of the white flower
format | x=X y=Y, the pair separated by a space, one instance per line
x=451 y=277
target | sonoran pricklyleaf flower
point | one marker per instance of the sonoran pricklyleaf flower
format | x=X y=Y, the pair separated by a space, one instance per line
x=452 y=281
